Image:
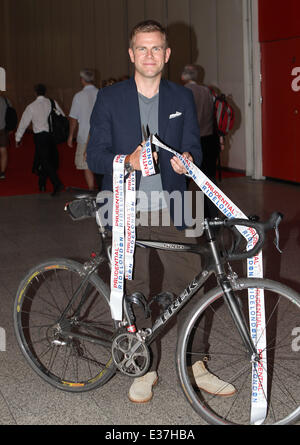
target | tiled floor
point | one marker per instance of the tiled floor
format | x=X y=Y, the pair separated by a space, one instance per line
x=35 y=227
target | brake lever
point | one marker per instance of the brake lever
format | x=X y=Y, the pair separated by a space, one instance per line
x=276 y=240
x=237 y=240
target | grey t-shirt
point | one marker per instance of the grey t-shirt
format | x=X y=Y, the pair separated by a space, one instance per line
x=148 y=184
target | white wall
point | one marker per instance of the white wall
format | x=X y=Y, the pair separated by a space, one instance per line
x=44 y=42
x=219 y=36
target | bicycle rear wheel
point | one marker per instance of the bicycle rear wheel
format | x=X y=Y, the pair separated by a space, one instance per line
x=230 y=362
x=72 y=353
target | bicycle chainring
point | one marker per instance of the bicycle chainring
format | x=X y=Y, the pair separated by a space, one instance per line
x=130 y=355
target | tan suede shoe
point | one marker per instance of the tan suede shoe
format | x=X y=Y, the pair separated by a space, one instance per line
x=141 y=389
x=211 y=383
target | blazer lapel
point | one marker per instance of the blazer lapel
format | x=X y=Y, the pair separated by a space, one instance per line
x=131 y=103
x=165 y=108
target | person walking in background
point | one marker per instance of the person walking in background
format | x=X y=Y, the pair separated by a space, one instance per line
x=80 y=113
x=46 y=157
x=4 y=138
x=211 y=142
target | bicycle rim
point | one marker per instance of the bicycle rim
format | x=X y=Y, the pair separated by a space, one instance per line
x=211 y=325
x=72 y=354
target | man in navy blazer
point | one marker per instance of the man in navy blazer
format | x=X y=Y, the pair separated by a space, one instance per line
x=116 y=129
x=121 y=113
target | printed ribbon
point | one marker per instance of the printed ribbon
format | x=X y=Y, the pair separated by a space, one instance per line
x=123 y=249
x=123 y=237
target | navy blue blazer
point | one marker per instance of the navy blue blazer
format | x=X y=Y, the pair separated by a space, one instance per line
x=115 y=128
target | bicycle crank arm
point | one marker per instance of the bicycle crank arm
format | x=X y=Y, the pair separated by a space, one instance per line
x=130 y=355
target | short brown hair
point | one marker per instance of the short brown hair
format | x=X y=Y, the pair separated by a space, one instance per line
x=40 y=89
x=190 y=72
x=148 y=26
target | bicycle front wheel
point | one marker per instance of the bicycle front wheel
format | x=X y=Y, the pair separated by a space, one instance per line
x=211 y=324
x=68 y=345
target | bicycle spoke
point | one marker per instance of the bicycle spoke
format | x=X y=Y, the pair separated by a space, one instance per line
x=226 y=361
x=66 y=351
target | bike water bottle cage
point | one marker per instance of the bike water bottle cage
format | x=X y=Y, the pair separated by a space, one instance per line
x=139 y=299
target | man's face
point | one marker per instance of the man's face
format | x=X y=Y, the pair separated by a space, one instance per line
x=148 y=53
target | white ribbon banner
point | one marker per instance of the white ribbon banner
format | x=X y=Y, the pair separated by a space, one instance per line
x=123 y=237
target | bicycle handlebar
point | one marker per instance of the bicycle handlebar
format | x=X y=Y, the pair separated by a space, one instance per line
x=86 y=207
x=260 y=228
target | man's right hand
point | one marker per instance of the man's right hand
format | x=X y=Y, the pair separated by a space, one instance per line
x=134 y=157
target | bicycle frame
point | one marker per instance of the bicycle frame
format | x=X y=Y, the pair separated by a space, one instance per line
x=214 y=264
x=72 y=336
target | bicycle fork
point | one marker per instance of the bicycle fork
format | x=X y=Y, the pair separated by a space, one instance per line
x=231 y=300
x=237 y=315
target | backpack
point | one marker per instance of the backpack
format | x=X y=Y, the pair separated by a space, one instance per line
x=11 y=118
x=58 y=125
x=224 y=114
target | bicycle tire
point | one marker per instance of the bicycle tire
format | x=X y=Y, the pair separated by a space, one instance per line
x=228 y=361
x=72 y=362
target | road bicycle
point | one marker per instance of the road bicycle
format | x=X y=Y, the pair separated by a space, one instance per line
x=65 y=330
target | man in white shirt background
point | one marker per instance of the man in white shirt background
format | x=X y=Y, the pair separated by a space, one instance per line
x=80 y=113
x=46 y=157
